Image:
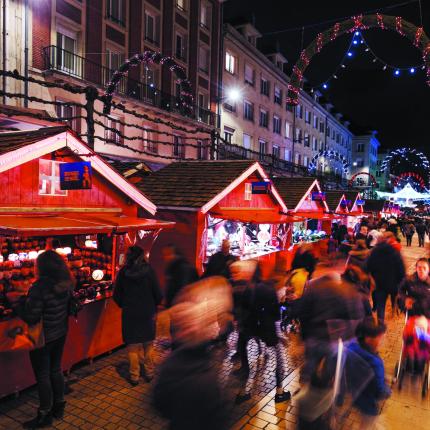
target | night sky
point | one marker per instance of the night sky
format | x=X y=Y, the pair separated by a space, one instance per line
x=373 y=99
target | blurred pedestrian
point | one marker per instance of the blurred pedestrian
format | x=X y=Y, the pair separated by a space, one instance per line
x=369 y=336
x=179 y=273
x=375 y=235
x=421 y=231
x=260 y=312
x=385 y=265
x=48 y=300
x=358 y=279
x=326 y=312
x=358 y=255
x=137 y=293
x=219 y=263
x=362 y=233
x=409 y=230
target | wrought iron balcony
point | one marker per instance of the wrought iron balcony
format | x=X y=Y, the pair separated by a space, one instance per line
x=71 y=64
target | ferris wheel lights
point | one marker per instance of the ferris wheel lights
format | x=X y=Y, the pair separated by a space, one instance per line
x=357 y=33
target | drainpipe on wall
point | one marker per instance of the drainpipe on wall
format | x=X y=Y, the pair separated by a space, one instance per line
x=293 y=140
x=26 y=53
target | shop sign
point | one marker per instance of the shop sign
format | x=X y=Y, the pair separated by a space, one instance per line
x=345 y=203
x=318 y=197
x=261 y=187
x=360 y=202
x=76 y=176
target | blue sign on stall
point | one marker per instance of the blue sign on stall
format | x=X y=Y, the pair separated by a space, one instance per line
x=360 y=202
x=318 y=197
x=76 y=176
x=261 y=187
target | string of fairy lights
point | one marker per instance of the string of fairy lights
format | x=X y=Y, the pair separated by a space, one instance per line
x=359 y=45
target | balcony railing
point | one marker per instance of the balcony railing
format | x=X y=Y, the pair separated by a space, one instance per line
x=71 y=64
x=275 y=164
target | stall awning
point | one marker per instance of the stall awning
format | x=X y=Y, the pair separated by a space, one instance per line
x=256 y=216
x=42 y=225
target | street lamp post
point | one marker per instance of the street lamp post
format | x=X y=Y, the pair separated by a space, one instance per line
x=26 y=53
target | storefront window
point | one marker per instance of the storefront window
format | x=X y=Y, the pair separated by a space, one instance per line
x=307 y=231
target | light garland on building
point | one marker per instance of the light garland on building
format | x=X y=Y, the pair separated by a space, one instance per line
x=331 y=155
x=147 y=58
x=410 y=175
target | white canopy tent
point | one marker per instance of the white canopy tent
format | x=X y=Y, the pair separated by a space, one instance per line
x=404 y=196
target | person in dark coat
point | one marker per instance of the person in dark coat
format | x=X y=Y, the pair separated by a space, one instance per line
x=386 y=266
x=48 y=299
x=421 y=231
x=409 y=230
x=219 y=263
x=329 y=308
x=179 y=273
x=137 y=293
x=414 y=294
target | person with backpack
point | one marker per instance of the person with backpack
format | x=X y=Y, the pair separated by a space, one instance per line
x=48 y=300
x=137 y=293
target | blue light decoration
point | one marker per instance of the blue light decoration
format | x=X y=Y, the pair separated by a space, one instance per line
x=412 y=70
x=397 y=72
x=350 y=54
x=325 y=86
x=357 y=33
x=355 y=42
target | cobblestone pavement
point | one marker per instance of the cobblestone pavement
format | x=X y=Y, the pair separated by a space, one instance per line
x=101 y=397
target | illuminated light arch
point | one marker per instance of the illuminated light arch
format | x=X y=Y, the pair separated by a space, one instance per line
x=150 y=57
x=415 y=176
x=369 y=175
x=404 y=153
x=416 y=35
x=331 y=155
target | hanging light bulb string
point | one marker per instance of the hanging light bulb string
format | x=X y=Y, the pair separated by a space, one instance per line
x=348 y=54
x=357 y=40
x=385 y=65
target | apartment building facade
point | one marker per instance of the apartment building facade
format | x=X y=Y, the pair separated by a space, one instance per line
x=82 y=42
x=254 y=113
x=365 y=154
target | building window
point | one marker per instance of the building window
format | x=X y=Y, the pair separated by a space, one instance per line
x=230 y=107
x=287 y=129
x=276 y=125
x=149 y=143
x=314 y=144
x=297 y=158
x=328 y=131
x=287 y=155
x=265 y=87
x=360 y=147
x=113 y=62
x=181 y=47
x=308 y=116
x=305 y=161
x=249 y=75
x=378 y=174
x=112 y=135
x=262 y=148
x=321 y=145
x=66 y=53
x=299 y=135
x=316 y=120
x=152 y=28
x=333 y=134
x=116 y=11
x=178 y=147
x=276 y=151
x=181 y=5
x=203 y=59
x=289 y=108
x=246 y=141
x=49 y=178
x=307 y=140
x=278 y=95
x=264 y=118
x=299 y=111
x=248 y=191
x=202 y=150
x=230 y=63
x=205 y=15
x=248 y=110
x=66 y=113
x=321 y=127
x=337 y=138
x=360 y=162
x=228 y=134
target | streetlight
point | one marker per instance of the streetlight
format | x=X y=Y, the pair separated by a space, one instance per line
x=233 y=94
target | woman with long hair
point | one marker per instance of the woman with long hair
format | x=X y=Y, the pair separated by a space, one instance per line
x=48 y=300
x=137 y=293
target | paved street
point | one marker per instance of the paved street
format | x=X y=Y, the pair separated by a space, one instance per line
x=101 y=397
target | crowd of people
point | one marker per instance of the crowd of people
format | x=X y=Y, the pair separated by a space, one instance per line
x=233 y=296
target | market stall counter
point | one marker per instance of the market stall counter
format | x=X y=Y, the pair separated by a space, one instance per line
x=55 y=198
x=215 y=200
